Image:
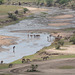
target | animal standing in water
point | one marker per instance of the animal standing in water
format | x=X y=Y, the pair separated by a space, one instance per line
x=1 y=62
x=13 y=49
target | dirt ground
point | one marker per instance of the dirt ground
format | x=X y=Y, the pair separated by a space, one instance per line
x=49 y=67
x=69 y=49
x=63 y=34
x=34 y=10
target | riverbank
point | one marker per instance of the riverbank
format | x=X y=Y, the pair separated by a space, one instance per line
x=5 y=9
x=66 y=51
x=7 y=41
x=65 y=54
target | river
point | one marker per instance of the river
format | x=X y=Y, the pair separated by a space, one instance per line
x=30 y=45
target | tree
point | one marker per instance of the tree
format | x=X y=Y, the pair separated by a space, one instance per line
x=61 y=42
x=1 y=2
x=25 y=10
x=13 y=17
x=72 y=39
x=57 y=46
x=49 y=2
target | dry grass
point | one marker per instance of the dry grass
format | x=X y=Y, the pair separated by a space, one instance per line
x=4 y=9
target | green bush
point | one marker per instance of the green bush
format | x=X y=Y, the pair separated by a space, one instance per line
x=13 y=17
x=57 y=46
x=72 y=39
x=33 y=68
x=1 y=2
x=25 y=10
x=62 y=1
x=61 y=42
x=49 y=2
x=10 y=15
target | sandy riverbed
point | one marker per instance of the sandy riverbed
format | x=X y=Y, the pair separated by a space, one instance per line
x=7 y=41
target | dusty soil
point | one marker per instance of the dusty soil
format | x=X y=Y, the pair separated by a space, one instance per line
x=69 y=49
x=63 y=34
x=34 y=10
x=49 y=67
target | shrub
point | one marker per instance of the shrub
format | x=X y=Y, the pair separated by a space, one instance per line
x=61 y=42
x=16 y=12
x=1 y=2
x=62 y=1
x=10 y=15
x=57 y=46
x=13 y=17
x=33 y=68
x=72 y=39
x=49 y=2
x=25 y=10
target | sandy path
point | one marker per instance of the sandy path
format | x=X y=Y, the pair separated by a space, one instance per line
x=63 y=34
x=34 y=10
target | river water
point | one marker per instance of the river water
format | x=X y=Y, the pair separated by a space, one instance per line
x=29 y=45
x=26 y=45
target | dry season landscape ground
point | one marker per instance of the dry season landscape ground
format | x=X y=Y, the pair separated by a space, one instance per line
x=61 y=61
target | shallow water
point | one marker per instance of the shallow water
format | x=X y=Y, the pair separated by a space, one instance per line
x=27 y=45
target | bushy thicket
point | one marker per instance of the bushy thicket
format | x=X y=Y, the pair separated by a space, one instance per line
x=1 y=1
x=25 y=10
x=49 y=2
x=61 y=42
x=57 y=46
x=13 y=17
